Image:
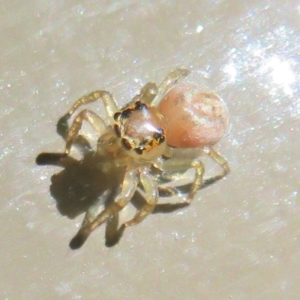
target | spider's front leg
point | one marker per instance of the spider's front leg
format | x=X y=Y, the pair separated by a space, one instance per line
x=93 y=119
x=152 y=95
x=146 y=94
x=107 y=98
x=169 y=81
x=128 y=188
x=86 y=115
x=151 y=190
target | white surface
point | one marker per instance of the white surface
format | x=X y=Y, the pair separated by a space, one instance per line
x=240 y=237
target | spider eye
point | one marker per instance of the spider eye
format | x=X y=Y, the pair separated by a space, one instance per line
x=127 y=145
x=159 y=136
x=126 y=113
x=117 y=115
x=140 y=105
x=138 y=151
x=117 y=130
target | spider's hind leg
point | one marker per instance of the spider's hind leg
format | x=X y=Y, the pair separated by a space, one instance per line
x=219 y=159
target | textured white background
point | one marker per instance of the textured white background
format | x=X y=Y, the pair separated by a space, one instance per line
x=240 y=237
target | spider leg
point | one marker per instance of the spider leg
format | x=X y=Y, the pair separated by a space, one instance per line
x=107 y=98
x=168 y=191
x=171 y=168
x=92 y=118
x=198 y=180
x=128 y=189
x=169 y=81
x=175 y=164
x=219 y=159
x=148 y=92
x=178 y=164
x=151 y=190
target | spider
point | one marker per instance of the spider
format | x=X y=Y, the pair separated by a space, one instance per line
x=166 y=127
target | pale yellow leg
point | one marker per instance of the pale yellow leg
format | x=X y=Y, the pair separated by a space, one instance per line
x=169 y=81
x=219 y=159
x=148 y=92
x=198 y=180
x=93 y=119
x=128 y=189
x=151 y=191
x=108 y=101
x=181 y=164
x=174 y=165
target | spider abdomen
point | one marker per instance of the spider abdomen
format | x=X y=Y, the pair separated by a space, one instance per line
x=194 y=118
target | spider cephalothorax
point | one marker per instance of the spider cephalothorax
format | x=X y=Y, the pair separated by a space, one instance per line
x=141 y=129
x=157 y=125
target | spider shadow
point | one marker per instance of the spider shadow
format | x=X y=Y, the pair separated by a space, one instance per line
x=82 y=184
x=87 y=183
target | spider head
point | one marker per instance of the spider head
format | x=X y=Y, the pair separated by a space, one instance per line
x=141 y=131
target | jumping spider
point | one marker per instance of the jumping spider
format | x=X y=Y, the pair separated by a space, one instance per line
x=168 y=127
